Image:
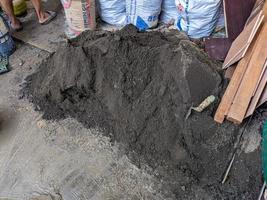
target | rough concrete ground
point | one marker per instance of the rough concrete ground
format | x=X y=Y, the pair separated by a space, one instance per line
x=59 y=159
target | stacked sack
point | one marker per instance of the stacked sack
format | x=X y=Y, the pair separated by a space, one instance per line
x=169 y=12
x=144 y=14
x=112 y=11
x=197 y=18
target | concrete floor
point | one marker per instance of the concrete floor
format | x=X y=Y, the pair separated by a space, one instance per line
x=59 y=159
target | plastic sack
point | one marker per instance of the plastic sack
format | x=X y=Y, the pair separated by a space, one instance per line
x=143 y=14
x=169 y=12
x=197 y=18
x=7 y=45
x=19 y=7
x=80 y=16
x=112 y=11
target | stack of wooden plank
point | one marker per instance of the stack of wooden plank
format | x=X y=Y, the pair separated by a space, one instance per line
x=248 y=86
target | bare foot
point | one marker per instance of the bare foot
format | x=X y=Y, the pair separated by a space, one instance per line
x=16 y=25
x=43 y=17
x=46 y=17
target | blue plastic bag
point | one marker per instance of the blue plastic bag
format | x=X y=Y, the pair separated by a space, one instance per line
x=169 y=12
x=144 y=14
x=112 y=11
x=197 y=18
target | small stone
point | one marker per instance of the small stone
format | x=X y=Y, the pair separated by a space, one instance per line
x=38 y=108
x=183 y=188
x=41 y=124
x=21 y=62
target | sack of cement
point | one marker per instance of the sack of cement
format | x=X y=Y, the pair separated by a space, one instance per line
x=112 y=11
x=169 y=12
x=197 y=18
x=143 y=14
x=80 y=16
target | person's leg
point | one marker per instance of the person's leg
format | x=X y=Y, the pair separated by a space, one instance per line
x=41 y=14
x=38 y=9
x=8 y=8
x=44 y=17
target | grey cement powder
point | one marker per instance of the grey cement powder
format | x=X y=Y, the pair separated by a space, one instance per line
x=137 y=88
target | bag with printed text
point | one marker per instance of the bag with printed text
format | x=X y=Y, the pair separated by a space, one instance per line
x=80 y=16
x=197 y=18
x=143 y=14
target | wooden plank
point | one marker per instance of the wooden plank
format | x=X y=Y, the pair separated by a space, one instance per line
x=234 y=58
x=45 y=37
x=229 y=72
x=242 y=42
x=241 y=53
x=265 y=11
x=263 y=97
x=261 y=76
x=234 y=84
x=257 y=8
x=261 y=85
x=242 y=99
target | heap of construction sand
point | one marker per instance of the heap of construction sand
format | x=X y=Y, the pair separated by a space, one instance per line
x=137 y=88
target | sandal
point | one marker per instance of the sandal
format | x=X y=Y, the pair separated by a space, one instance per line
x=51 y=16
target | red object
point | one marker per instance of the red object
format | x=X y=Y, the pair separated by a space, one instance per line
x=237 y=12
x=217 y=48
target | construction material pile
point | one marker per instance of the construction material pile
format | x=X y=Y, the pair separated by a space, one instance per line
x=138 y=88
x=247 y=89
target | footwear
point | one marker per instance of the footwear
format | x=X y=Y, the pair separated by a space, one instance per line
x=51 y=16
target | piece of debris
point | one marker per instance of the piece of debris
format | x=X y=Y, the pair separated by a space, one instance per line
x=264 y=153
x=21 y=62
x=265 y=193
x=41 y=124
x=209 y=100
x=262 y=192
x=228 y=169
